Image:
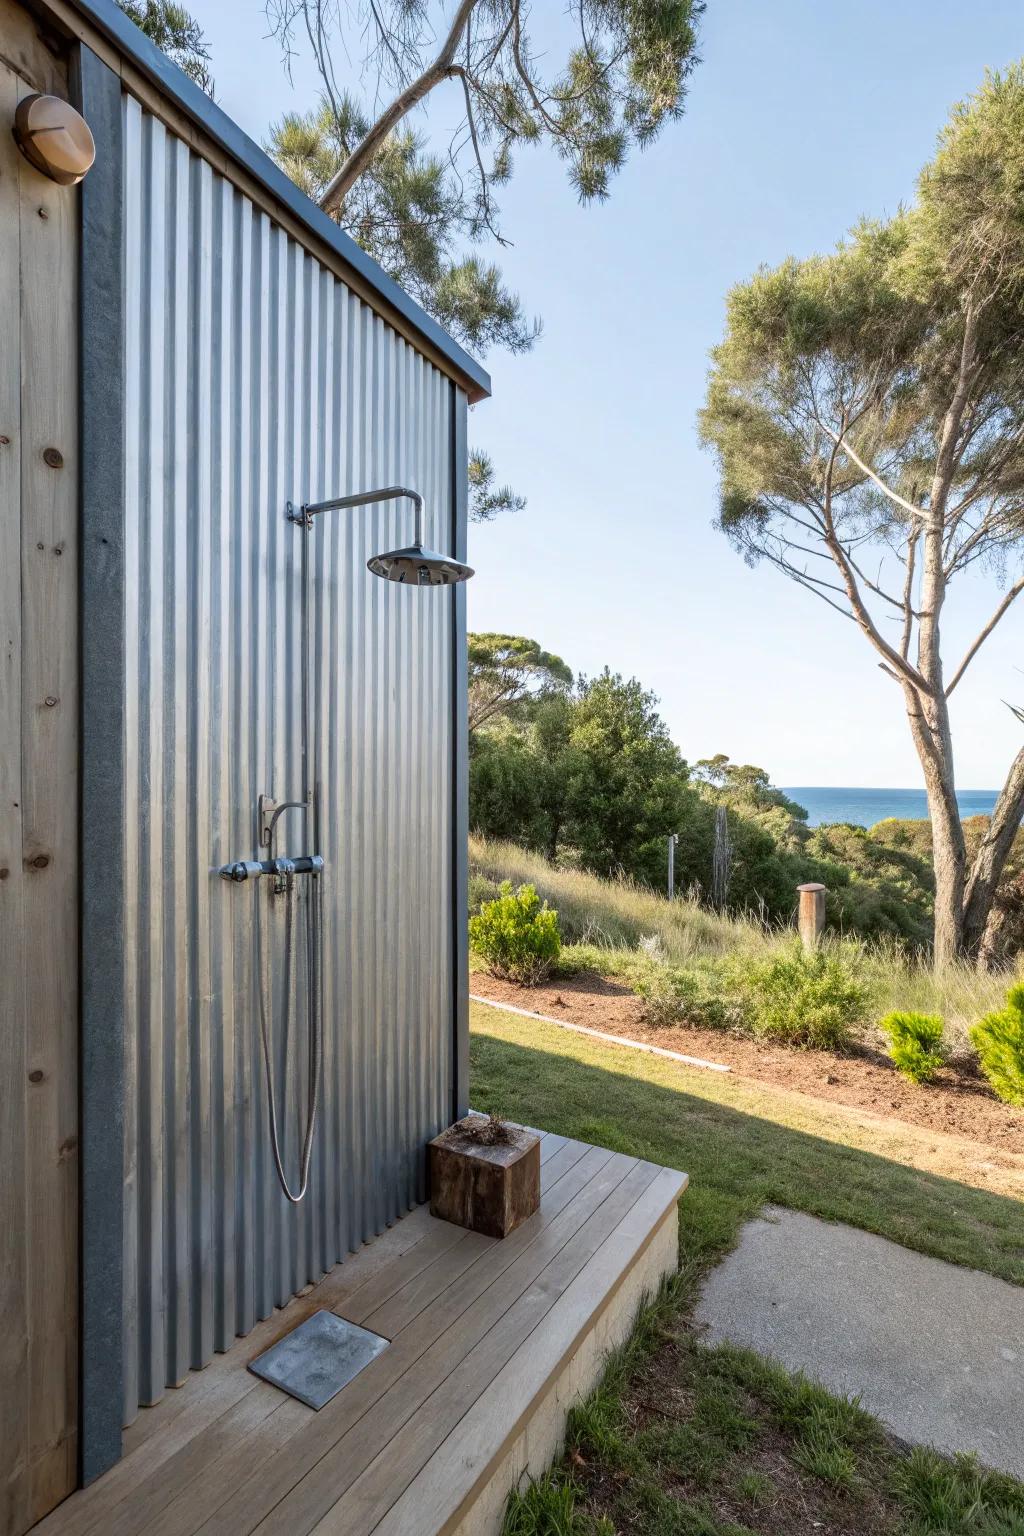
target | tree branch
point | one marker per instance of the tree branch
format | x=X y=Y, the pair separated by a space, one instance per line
x=865 y=469
x=908 y=594
x=524 y=74
x=441 y=69
x=949 y=440
x=993 y=851
x=909 y=674
x=491 y=706
x=873 y=586
x=485 y=197
x=803 y=580
x=975 y=647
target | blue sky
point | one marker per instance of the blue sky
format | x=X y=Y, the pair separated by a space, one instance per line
x=803 y=115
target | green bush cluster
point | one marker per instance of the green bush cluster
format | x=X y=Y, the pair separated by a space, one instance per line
x=517 y=934
x=915 y=1044
x=690 y=966
x=813 y=1000
x=998 y=1039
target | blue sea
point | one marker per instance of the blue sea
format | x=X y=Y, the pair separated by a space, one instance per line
x=866 y=806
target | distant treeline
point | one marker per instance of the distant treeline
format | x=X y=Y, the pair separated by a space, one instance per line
x=584 y=771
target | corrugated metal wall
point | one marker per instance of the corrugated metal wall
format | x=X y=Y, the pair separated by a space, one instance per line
x=254 y=377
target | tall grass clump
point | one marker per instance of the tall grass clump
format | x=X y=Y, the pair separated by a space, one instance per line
x=612 y=914
x=915 y=1043
x=908 y=982
x=999 y=1040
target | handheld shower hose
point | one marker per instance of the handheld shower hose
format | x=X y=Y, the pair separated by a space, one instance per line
x=314 y=983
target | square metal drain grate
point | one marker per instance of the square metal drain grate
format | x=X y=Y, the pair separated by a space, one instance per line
x=318 y=1358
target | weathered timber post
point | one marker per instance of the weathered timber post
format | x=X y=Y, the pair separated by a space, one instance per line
x=721 y=861
x=811 y=917
x=673 y=839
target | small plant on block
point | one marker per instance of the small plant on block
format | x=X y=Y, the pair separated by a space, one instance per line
x=485 y=1175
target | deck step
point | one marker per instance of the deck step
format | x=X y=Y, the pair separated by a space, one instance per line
x=491 y=1342
x=515 y=1428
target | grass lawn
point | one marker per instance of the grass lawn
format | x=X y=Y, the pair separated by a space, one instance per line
x=744 y=1145
x=685 y=1441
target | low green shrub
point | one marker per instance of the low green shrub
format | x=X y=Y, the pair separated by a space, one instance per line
x=812 y=1000
x=666 y=995
x=517 y=934
x=998 y=1039
x=577 y=959
x=670 y=995
x=915 y=1044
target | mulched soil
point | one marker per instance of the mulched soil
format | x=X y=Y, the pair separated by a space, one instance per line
x=959 y=1102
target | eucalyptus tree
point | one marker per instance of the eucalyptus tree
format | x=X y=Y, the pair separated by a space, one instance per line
x=407 y=218
x=867 y=412
x=508 y=671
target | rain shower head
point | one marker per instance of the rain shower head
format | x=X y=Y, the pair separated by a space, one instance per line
x=419 y=567
x=415 y=565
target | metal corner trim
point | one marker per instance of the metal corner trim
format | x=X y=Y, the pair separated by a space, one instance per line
x=102 y=505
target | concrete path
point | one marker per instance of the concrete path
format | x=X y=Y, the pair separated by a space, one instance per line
x=935 y=1351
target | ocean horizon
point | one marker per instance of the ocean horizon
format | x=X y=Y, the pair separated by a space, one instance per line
x=864 y=807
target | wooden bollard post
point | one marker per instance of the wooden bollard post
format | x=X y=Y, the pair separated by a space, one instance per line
x=811 y=917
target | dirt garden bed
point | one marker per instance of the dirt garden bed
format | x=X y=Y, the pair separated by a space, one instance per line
x=959 y=1103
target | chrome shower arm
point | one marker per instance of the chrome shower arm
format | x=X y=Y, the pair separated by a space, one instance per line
x=309 y=510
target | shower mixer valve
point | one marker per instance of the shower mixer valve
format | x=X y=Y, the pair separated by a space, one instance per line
x=280 y=869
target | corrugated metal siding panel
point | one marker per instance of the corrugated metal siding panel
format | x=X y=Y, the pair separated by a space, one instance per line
x=254 y=377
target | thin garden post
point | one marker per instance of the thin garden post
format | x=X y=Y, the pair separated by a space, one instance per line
x=673 y=839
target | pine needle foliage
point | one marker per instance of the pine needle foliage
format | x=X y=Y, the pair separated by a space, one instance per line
x=409 y=213
x=999 y=1040
x=915 y=1043
x=175 y=32
x=620 y=77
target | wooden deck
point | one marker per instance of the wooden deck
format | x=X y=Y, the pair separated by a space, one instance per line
x=490 y=1343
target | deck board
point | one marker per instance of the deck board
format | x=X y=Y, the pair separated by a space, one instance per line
x=477 y=1327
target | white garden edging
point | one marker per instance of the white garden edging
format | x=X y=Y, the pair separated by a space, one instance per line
x=599 y=1034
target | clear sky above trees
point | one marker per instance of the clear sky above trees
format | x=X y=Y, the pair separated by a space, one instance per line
x=615 y=557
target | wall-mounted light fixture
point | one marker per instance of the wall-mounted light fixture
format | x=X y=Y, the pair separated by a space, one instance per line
x=54 y=138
